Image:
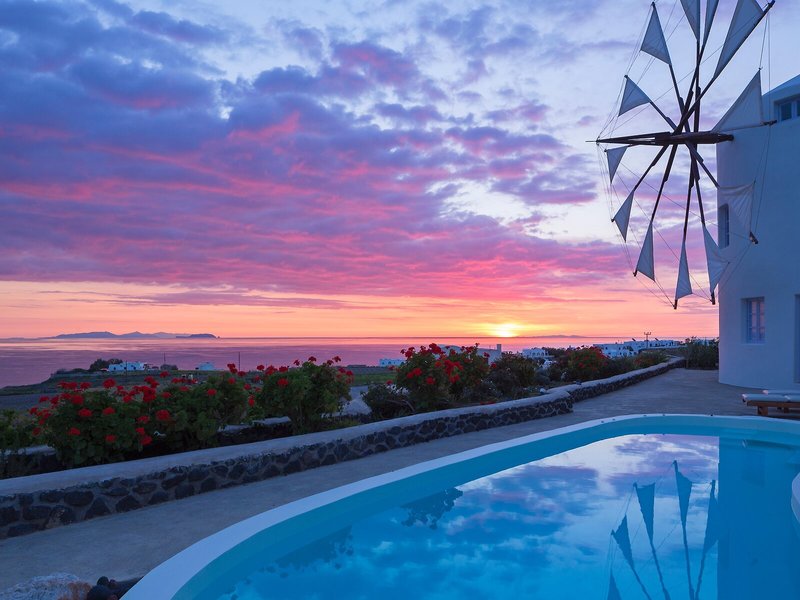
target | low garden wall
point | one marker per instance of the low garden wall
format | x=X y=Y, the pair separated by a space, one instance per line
x=37 y=502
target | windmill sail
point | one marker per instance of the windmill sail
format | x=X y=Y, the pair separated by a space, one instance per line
x=613 y=590
x=745 y=19
x=711 y=536
x=692 y=10
x=684 y=493
x=623 y=216
x=747 y=111
x=740 y=201
x=684 y=286
x=623 y=539
x=632 y=97
x=647 y=497
x=711 y=10
x=614 y=157
x=645 y=265
x=654 y=43
x=716 y=263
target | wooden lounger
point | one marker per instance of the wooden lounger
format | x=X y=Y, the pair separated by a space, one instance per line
x=787 y=405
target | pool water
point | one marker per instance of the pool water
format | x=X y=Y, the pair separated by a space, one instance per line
x=636 y=516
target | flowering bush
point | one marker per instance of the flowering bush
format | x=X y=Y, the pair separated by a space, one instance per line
x=513 y=375
x=307 y=393
x=648 y=358
x=586 y=364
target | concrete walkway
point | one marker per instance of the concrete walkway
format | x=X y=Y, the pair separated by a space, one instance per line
x=128 y=545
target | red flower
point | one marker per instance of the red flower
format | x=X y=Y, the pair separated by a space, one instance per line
x=296 y=363
x=164 y=374
x=85 y=413
x=141 y=431
x=44 y=398
x=162 y=415
x=74 y=431
x=260 y=367
x=312 y=359
x=143 y=419
x=430 y=380
x=85 y=385
x=36 y=431
x=231 y=380
x=251 y=401
x=77 y=400
x=109 y=383
x=145 y=440
x=283 y=369
x=336 y=359
x=109 y=410
x=389 y=382
x=33 y=410
x=184 y=388
x=166 y=395
x=283 y=382
x=247 y=386
x=111 y=438
x=231 y=367
x=212 y=392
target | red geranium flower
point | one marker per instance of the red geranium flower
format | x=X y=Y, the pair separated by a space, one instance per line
x=212 y=392
x=85 y=413
x=162 y=415
x=85 y=385
x=74 y=431
x=109 y=410
x=283 y=369
x=109 y=383
x=312 y=359
x=296 y=363
x=260 y=367
x=283 y=382
x=164 y=374
x=44 y=398
x=430 y=380
x=247 y=386
x=36 y=431
x=33 y=410
x=145 y=440
x=251 y=401
x=337 y=359
x=143 y=419
x=141 y=431
x=77 y=400
x=111 y=438
x=166 y=395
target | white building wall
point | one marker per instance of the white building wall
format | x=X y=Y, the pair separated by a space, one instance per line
x=770 y=269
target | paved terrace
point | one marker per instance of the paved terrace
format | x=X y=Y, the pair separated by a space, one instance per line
x=128 y=545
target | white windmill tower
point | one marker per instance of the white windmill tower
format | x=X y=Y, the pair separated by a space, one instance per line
x=743 y=185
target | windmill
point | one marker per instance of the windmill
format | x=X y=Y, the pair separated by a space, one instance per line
x=685 y=139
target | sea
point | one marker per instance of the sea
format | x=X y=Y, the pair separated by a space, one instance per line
x=32 y=361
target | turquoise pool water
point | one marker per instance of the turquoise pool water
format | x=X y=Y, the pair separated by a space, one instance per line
x=642 y=515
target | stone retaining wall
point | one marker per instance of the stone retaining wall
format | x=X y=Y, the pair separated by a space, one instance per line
x=41 y=506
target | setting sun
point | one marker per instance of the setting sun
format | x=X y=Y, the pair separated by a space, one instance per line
x=505 y=330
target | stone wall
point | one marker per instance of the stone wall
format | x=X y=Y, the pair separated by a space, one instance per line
x=41 y=506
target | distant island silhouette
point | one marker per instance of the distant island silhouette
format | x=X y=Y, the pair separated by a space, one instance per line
x=134 y=335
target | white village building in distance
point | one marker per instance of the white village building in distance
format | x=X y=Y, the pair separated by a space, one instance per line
x=759 y=292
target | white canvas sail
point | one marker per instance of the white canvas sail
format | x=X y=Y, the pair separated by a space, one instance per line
x=645 y=265
x=747 y=111
x=684 y=285
x=745 y=18
x=714 y=260
x=711 y=10
x=623 y=216
x=632 y=96
x=614 y=156
x=740 y=202
x=692 y=10
x=654 y=43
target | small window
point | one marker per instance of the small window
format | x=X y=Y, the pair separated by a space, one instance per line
x=754 y=328
x=785 y=111
x=723 y=226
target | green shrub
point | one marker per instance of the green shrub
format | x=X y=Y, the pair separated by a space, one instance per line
x=387 y=402
x=514 y=375
x=701 y=356
x=16 y=432
x=649 y=358
x=307 y=394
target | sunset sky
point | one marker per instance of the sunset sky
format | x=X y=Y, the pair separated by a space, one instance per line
x=314 y=168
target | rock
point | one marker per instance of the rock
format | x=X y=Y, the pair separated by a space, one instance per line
x=78 y=497
x=50 y=587
x=128 y=503
x=184 y=491
x=97 y=509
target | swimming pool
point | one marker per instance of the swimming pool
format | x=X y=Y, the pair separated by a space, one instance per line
x=646 y=506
